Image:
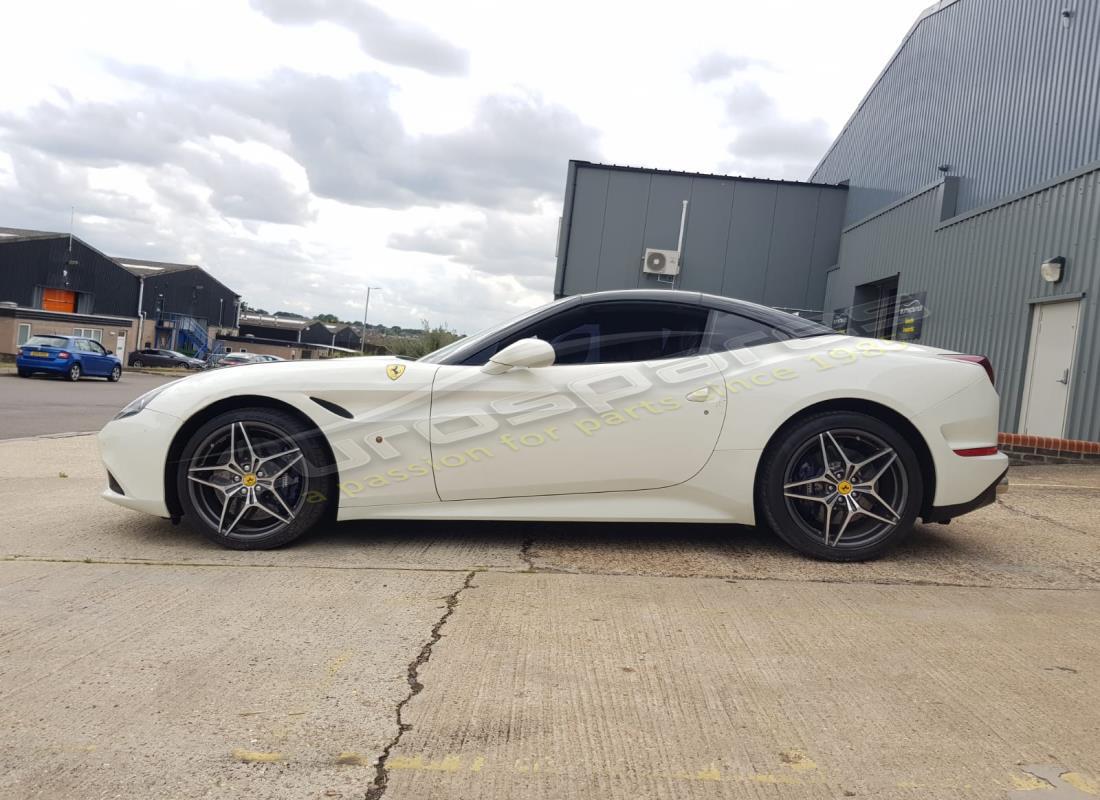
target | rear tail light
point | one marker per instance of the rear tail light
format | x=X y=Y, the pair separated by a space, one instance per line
x=981 y=361
x=63 y=355
x=977 y=451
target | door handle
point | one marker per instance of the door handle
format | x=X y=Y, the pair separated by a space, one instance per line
x=699 y=395
x=1064 y=380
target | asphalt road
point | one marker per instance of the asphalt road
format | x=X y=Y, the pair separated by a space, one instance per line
x=43 y=405
x=414 y=661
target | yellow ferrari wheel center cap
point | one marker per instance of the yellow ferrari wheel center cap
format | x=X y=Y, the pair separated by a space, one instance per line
x=844 y=488
x=249 y=480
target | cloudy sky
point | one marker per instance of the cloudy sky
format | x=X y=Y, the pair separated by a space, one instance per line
x=302 y=150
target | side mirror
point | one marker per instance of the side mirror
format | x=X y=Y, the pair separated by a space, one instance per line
x=524 y=353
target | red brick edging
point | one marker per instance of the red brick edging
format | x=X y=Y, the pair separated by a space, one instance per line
x=1026 y=449
x=1048 y=443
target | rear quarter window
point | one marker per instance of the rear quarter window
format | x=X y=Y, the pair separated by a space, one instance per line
x=728 y=331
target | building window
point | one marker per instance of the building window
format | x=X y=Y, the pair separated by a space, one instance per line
x=23 y=334
x=90 y=333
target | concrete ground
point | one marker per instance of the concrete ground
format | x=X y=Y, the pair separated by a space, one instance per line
x=44 y=404
x=415 y=660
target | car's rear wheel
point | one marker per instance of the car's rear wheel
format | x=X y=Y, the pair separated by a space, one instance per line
x=24 y=373
x=74 y=373
x=841 y=486
x=254 y=479
x=116 y=373
x=136 y=362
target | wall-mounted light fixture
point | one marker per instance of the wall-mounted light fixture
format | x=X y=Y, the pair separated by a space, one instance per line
x=1053 y=269
x=944 y=167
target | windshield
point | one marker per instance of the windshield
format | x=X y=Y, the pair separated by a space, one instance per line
x=436 y=356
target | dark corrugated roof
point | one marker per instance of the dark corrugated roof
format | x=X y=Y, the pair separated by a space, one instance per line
x=143 y=267
x=27 y=233
x=269 y=321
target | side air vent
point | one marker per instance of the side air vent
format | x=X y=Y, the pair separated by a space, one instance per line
x=339 y=411
x=114 y=485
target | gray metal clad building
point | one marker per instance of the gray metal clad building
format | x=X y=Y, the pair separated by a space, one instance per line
x=761 y=240
x=973 y=160
x=959 y=207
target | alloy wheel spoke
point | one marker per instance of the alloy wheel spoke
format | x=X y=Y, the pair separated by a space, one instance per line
x=245 y=506
x=225 y=507
x=267 y=509
x=829 y=506
x=283 y=454
x=248 y=443
x=796 y=496
x=875 y=457
x=873 y=515
x=285 y=467
x=796 y=484
x=825 y=457
x=843 y=527
x=211 y=484
x=882 y=470
x=214 y=468
x=840 y=450
x=875 y=495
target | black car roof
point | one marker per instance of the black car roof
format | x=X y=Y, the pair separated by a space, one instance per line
x=789 y=323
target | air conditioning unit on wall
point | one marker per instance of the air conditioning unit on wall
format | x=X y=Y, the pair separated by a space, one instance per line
x=661 y=262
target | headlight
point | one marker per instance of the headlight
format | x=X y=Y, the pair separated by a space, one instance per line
x=137 y=405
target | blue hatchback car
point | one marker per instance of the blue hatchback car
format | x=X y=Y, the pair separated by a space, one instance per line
x=70 y=356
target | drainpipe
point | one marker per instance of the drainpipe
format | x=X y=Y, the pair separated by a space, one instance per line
x=141 y=313
x=680 y=241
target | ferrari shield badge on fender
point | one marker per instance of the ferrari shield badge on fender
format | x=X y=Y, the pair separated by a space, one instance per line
x=395 y=371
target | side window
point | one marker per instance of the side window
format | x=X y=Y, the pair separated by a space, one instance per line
x=605 y=333
x=84 y=346
x=729 y=331
x=96 y=348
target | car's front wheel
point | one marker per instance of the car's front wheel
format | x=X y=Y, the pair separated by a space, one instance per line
x=136 y=362
x=116 y=373
x=254 y=479
x=841 y=486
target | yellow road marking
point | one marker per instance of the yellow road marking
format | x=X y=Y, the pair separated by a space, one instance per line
x=1081 y=783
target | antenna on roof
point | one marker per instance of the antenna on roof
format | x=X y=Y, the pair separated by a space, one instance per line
x=72 y=216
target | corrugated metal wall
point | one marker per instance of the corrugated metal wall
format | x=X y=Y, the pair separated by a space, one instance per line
x=981 y=271
x=1006 y=92
x=29 y=265
x=178 y=293
x=765 y=241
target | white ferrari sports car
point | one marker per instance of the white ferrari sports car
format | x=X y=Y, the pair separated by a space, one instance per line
x=626 y=406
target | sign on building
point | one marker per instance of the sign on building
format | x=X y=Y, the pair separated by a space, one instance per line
x=910 y=318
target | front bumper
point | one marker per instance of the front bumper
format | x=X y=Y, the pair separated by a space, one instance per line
x=135 y=451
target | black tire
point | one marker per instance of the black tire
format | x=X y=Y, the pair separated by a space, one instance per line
x=244 y=515
x=24 y=373
x=136 y=363
x=800 y=508
x=74 y=373
x=116 y=373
